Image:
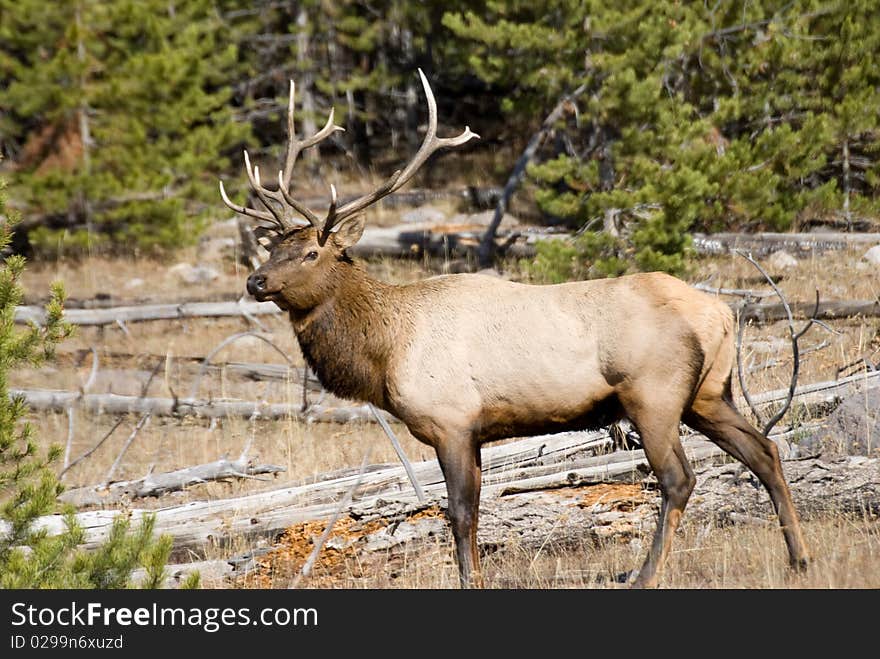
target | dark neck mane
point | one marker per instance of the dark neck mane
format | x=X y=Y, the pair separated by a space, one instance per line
x=347 y=338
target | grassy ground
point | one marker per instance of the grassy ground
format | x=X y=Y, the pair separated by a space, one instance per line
x=847 y=550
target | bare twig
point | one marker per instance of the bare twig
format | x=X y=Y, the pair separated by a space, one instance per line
x=346 y=500
x=69 y=444
x=125 y=447
x=775 y=362
x=84 y=389
x=795 y=350
x=121 y=324
x=410 y=472
x=93 y=449
x=229 y=339
x=93 y=374
x=740 y=323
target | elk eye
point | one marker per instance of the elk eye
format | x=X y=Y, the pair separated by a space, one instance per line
x=311 y=256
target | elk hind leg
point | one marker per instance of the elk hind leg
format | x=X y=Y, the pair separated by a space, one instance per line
x=718 y=419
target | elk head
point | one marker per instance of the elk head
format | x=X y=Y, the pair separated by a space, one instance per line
x=304 y=249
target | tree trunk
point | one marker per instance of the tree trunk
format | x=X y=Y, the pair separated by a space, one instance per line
x=304 y=67
x=486 y=250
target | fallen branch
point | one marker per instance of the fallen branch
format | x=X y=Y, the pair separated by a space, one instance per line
x=763 y=244
x=230 y=339
x=328 y=528
x=59 y=401
x=134 y=314
x=250 y=370
x=154 y=485
x=93 y=449
x=128 y=442
x=738 y=292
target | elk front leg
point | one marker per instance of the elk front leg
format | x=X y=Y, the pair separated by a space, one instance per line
x=460 y=464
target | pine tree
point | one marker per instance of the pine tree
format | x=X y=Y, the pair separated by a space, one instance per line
x=696 y=117
x=119 y=112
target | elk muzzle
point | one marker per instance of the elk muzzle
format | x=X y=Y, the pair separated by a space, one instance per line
x=256 y=285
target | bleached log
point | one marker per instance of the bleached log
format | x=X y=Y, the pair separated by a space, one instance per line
x=818 y=393
x=154 y=485
x=58 y=401
x=765 y=312
x=762 y=244
x=134 y=314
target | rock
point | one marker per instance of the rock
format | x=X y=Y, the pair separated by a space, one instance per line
x=782 y=260
x=216 y=249
x=426 y=214
x=852 y=429
x=194 y=274
x=223 y=229
x=872 y=255
x=137 y=282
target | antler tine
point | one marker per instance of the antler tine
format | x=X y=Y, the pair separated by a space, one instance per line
x=295 y=146
x=299 y=207
x=430 y=144
x=253 y=174
x=244 y=210
x=282 y=219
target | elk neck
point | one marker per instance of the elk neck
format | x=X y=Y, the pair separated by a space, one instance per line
x=348 y=336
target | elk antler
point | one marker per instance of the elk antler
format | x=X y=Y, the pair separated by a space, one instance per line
x=430 y=144
x=336 y=215
x=285 y=218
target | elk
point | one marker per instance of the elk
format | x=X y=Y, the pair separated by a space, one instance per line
x=466 y=359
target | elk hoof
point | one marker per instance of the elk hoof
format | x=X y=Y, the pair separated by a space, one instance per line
x=799 y=565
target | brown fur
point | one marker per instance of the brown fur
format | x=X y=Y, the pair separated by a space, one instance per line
x=465 y=359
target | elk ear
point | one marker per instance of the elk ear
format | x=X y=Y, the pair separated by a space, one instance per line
x=350 y=232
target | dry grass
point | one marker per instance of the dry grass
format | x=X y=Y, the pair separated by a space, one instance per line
x=845 y=552
x=706 y=556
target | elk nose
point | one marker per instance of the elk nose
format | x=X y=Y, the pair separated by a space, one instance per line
x=256 y=283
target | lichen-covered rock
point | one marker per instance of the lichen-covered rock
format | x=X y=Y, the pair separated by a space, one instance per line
x=782 y=260
x=852 y=429
x=872 y=255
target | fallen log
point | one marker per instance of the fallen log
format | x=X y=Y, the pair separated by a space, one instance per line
x=59 y=401
x=417 y=241
x=257 y=371
x=765 y=312
x=134 y=314
x=154 y=485
x=762 y=244
x=822 y=393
